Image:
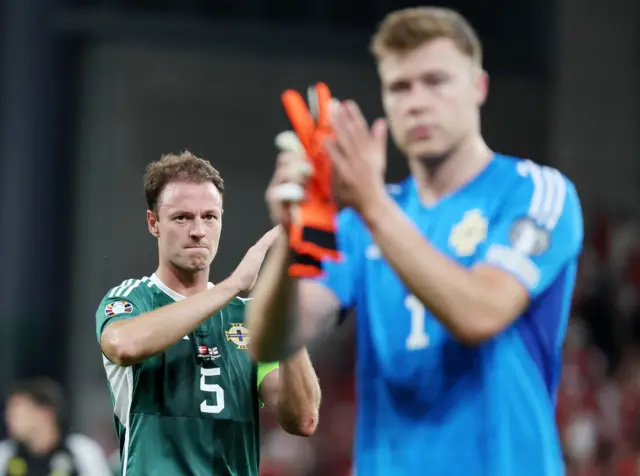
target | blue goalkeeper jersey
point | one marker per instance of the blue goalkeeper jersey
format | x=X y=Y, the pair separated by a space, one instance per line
x=428 y=404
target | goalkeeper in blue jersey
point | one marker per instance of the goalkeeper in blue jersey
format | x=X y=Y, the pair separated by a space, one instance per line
x=460 y=277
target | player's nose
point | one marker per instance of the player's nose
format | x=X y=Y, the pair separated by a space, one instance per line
x=420 y=100
x=198 y=229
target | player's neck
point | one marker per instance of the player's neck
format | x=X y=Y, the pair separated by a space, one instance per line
x=182 y=282
x=45 y=440
x=437 y=179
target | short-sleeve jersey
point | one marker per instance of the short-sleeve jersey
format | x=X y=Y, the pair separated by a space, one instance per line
x=427 y=403
x=192 y=409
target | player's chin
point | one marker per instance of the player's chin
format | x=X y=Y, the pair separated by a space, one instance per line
x=426 y=150
x=200 y=263
x=196 y=263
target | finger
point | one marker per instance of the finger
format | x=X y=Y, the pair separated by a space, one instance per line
x=288 y=193
x=356 y=129
x=323 y=105
x=292 y=171
x=355 y=119
x=299 y=116
x=279 y=210
x=342 y=131
x=339 y=166
x=271 y=236
x=337 y=155
x=312 y=101
x=268 y=239
x=380 y=133
x=288 y=141
x=356 y=125
x=285 y=159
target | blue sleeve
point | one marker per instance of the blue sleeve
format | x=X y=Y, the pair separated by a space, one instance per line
x=341 y=277
x=539 y=230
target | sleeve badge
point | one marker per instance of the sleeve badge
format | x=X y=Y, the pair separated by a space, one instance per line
x=118 y=307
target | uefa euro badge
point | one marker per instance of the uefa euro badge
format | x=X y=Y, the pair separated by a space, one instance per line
x=239 y=335
x=118 y=307
x=528 y=238
x=469 y=233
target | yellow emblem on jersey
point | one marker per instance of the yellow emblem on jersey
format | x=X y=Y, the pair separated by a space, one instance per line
x=469 y=233
x=17 y=467
x=239 y=335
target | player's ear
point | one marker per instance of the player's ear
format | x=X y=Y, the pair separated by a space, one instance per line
x=482 y=87
x=152 y=222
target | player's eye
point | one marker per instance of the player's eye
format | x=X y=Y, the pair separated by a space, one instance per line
x=180 y=218
x=435 y=79
x=399 y=86
x=210 y=216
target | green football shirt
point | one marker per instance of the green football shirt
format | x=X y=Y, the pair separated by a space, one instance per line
x=193 y=409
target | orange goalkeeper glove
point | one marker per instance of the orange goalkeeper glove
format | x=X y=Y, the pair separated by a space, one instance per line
x=312 y=231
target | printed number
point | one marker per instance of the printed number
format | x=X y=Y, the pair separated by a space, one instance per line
x=418 y=338
x=211 y=388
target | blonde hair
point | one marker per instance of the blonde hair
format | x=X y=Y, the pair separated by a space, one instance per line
x=405 y=30
x=183 y=167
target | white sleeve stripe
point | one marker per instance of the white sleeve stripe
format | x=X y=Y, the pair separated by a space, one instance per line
x=549 y=193
x=135 y=285
x=122 y=288
x=124 y=284
x=126 y=287
x=538 y=189
x=561 y=196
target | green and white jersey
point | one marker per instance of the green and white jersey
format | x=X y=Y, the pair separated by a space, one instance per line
x=192 y=410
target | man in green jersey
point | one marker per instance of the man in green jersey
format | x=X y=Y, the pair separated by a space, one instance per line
x=185 y=392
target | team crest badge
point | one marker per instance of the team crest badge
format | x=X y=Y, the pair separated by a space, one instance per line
x=118 y=307
x=239 y=335
x=469 y=233
x=17 y=466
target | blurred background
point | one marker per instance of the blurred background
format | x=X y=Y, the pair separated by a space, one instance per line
x=93 y=90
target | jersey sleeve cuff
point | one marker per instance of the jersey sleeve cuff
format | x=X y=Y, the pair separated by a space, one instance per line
x=516 y=264
x=265 y=369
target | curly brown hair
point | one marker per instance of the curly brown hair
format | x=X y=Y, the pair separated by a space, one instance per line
x=183 y=167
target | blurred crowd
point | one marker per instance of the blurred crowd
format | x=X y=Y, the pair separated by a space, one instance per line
x=598 y=399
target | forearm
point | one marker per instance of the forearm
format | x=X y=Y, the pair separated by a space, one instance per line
x=129 y=341
x=452 y=293
x=299 y=395
x=269 y=317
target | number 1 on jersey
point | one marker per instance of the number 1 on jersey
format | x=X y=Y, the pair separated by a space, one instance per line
x=417 y=338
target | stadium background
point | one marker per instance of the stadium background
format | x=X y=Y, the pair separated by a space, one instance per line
x=90 y=91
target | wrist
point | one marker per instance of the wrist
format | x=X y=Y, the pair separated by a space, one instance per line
x=375 y=208
x=232 y=285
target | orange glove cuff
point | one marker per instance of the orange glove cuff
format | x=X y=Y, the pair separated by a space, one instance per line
x=304 y=266
x=315 y=233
